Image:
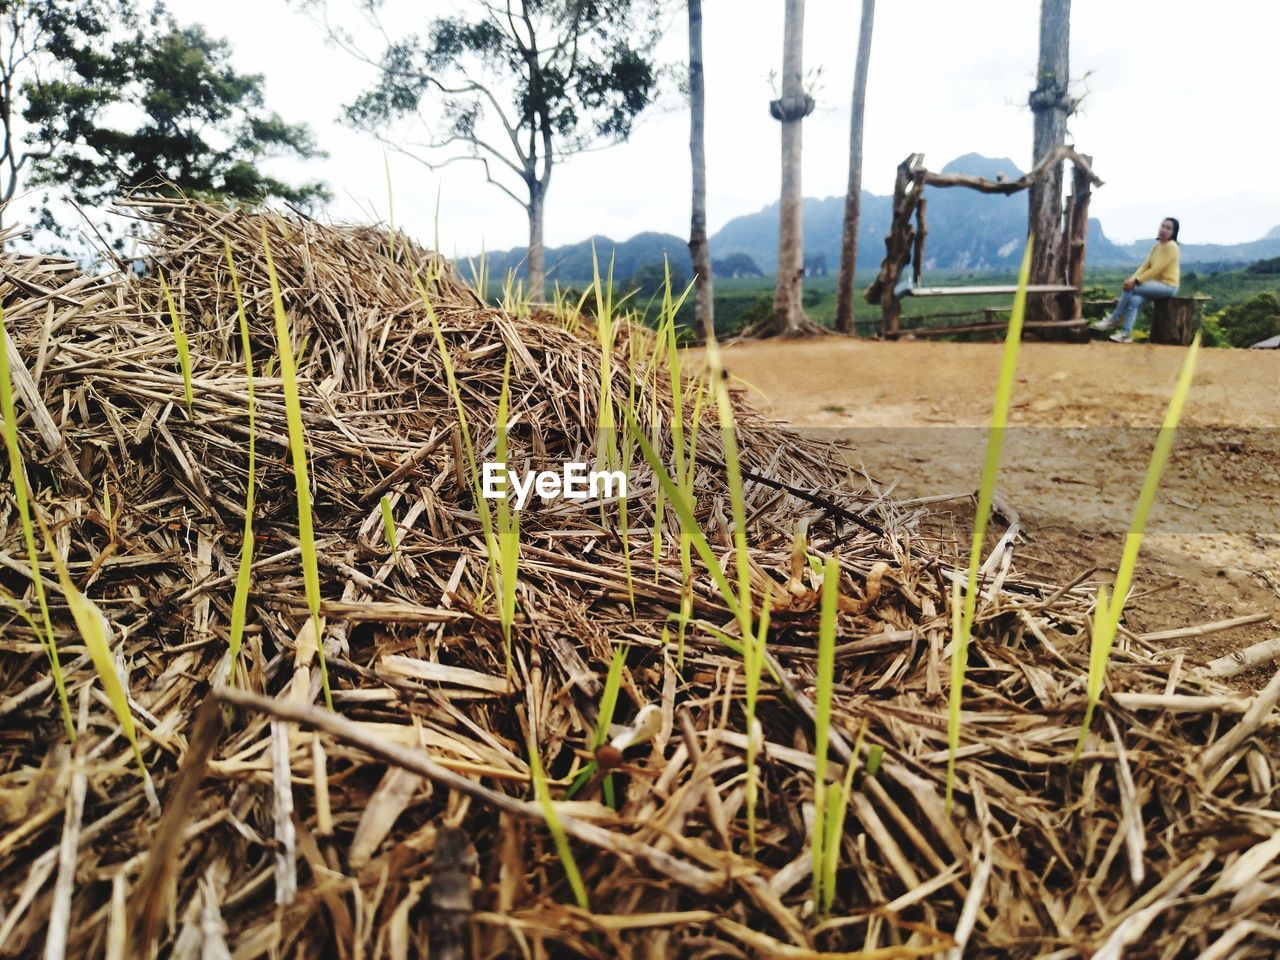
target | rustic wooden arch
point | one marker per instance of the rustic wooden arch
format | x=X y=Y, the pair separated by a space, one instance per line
x=906 y=241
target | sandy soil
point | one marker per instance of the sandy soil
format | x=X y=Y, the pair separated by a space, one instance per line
x=1084 y=419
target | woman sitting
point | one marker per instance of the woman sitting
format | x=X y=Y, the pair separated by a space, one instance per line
x=1156 y=279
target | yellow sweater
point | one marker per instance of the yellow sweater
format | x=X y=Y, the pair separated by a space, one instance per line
x=1161 y=264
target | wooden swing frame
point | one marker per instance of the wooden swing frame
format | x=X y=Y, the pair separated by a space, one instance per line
x=906 y=240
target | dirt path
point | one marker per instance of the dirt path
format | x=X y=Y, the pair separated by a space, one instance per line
x=1081 y=430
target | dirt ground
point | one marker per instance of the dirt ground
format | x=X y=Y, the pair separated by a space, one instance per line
x=1083 y=422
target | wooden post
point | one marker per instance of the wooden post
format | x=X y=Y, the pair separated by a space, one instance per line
x=897 y=243
x=1077 y=235
x=917 y=256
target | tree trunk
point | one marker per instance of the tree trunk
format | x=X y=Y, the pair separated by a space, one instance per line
x=795 y=105
x=1051 y=105
x=536 y=267
x=853 y=197
x=699 y=250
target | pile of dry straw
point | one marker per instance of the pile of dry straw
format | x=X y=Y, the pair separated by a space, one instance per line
x=406 y=817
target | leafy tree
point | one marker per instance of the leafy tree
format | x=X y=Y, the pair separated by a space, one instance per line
x=204 y=129
x=736 y=265
x=39 y=40
x=1244 y=324
x=517 y=87
x=649 y=280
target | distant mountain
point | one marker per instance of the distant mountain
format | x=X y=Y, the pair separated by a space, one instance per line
x=572 y=265
x=968 y=231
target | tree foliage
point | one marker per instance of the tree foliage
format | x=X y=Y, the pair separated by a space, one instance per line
x=1244 y=324
x=163 y=110
x=40 y=42
x=516 y=86
x=550 y=73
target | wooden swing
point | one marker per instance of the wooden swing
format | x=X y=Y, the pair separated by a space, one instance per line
x=906 y=242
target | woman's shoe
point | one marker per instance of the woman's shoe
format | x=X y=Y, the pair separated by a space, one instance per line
x=1122 y=337
x=1108 y=324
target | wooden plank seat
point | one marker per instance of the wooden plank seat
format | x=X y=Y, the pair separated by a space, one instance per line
x=986 y=291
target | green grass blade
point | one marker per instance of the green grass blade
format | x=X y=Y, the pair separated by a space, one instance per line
x=240 y=601
x=874 y=756
x=18 y=474
x=391 y=210
x=96 y=632
x=180 y=339
x=729 y=440
x=604 y=720
x=557 y=829
x=822 y=717
x=986 y=492
x=508 y=525
x=298 y=453
x=492 y=545
x=688 y=523
x=389 y=527
x=839 y=798
x=1107 y=615
x=1151 y=483
x=753 y=663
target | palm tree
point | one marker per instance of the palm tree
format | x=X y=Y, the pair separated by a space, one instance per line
x=788 y=315
x=699 y=250
x=1051 y=104
x=853 y=198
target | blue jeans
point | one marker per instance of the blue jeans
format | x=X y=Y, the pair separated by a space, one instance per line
x=1131 y=300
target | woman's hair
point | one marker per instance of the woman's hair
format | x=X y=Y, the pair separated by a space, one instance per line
x=1174 y=221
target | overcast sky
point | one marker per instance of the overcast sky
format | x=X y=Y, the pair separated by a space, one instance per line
x=1179 y=115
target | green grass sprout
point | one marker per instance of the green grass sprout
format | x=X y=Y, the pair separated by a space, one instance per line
x=753 y=664
x=557 y=829
x=508 y=526
x=391 y=211
x=18 y=473
x=180 y=339
x=240 y=601
x=688 y=523
x=729 y=441
x=1107 y=615
x=604 y=720
x=479 y=268
x=494 y=549
x=96 y=633
x=986 y=492
x=838 y=801
x=298 y=453
x=822 y=721
x=389 y=528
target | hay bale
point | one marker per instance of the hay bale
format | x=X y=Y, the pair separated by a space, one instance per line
x=290 y=829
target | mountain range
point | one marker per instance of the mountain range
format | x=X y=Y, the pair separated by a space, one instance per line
x=968 y=232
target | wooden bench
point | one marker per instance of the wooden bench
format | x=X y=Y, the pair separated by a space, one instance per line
x=991 y=320
x=985 y=291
